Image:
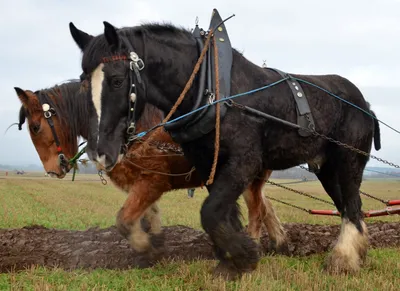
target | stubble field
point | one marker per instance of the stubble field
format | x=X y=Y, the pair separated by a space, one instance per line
x=64 y=205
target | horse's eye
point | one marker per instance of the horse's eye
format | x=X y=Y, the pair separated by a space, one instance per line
x=35 y=128
x=117 y=82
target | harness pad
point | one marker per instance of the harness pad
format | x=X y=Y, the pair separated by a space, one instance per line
x=205 y=119
x=304 y=116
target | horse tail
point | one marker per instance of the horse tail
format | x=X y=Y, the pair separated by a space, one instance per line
x=377 y=133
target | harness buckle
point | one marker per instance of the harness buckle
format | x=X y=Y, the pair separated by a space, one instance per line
x=136 y=61
x=211 y=98
x=47 y=114
x=140 y=64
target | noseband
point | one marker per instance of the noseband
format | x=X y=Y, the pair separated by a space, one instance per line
x=48 y=112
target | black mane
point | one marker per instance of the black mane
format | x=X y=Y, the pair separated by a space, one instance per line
x=165 y=33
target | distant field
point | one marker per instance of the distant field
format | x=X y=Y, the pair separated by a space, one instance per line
x=34 y=199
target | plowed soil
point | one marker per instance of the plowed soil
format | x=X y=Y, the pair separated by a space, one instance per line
x=106 y=248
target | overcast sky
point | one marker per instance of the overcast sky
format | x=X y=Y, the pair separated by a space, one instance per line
x=357 y=39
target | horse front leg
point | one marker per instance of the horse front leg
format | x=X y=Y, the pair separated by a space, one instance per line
x=140 y=204
x=236 y=251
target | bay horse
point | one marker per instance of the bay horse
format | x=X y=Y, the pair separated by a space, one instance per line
x=154 y=61
x=145 y=175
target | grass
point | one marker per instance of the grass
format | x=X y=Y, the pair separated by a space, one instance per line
x=31 y=199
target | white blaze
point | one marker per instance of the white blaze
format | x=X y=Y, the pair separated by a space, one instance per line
x=97 y=87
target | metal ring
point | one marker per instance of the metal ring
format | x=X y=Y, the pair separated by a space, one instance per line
x=140 y=64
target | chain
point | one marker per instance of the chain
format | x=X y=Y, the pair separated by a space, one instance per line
x=187 y=174
x=299 y=192
x=162 y=146
x=165 y=146
x=361 y=192
x=288 y=204
x=352 y=148
x=102 y=179
x=373 y=197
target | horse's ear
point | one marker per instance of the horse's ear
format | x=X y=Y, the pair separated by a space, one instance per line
x=22 y=117
x=22 y=96
x=111 y=34
x=80 y=37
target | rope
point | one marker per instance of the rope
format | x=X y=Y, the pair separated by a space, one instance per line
x=217 y=117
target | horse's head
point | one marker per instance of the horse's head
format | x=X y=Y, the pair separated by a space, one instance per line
x=53 y=134
x=120 y=81
x=113 y=96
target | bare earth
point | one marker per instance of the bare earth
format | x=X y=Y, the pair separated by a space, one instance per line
x=105 y=248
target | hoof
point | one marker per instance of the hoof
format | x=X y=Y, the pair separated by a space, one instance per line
x=281 y=249
x=242 y=251
x=227 y=271
x=144 y=261
x=337 y=263
x=145 y=224
x=122 y=227
x=158 y=245
x=350 y=251
x=157 y=240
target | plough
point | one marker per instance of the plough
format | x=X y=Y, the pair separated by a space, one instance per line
x=370 y=213
x=392 y=206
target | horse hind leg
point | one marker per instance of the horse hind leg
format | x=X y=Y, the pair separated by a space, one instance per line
x=278 y=242
x=351 y=248
x=157 y=237
x=329 y=178
x=262 y=212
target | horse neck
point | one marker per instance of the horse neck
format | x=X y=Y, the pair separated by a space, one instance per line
x=75 y=112
x=168 y=70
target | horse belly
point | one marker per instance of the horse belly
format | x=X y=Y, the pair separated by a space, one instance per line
x=292 y=150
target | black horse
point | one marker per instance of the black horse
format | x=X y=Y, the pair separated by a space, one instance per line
x=248 y=144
